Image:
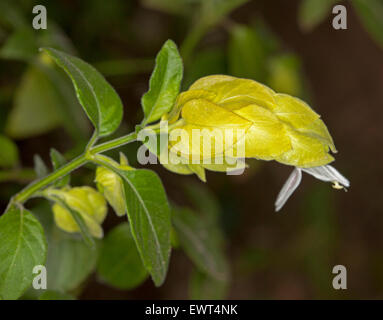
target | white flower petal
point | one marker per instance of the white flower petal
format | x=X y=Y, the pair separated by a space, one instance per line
x=288 y=188
x=327 y=173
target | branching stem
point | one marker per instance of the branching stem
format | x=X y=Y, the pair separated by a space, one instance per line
x=88 y=156
x=76 y=163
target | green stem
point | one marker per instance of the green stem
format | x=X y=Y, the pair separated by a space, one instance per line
x=92 y=140
x=37 y=185
x=87 y=156
x=29 y=190
x=104 y=162
x=112 y=144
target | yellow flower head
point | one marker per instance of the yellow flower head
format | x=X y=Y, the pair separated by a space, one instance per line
x=276 y=126
x=266 y=125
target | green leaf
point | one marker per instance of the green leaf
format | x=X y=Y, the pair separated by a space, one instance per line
x=22 y=247
x=99 y=100
x=149 y=217
x=21 y=45
x=58 y=161
x=55 y=295
x=202 y=242
x=313 y=12
x=9 y=154
x=204 y=287
x=164 y=83
x=36 y=106
x=39 y=166
x=120 y=264
x=246 y=53
x=57 y=158
x=371 y=14
x=69 y=262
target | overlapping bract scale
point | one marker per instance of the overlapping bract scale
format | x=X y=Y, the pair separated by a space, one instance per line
x=275 y=126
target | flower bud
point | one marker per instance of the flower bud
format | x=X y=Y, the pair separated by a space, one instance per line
x=110 y=185
x=89 y=203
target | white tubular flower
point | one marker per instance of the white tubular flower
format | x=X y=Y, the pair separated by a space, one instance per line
x=288 y=188
x=325 y=173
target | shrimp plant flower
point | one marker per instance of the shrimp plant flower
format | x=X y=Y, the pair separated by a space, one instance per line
x=274 y=126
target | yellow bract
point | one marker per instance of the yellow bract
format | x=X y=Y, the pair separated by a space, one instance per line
x=89 y=203
x=110 y=185
x=276 y=126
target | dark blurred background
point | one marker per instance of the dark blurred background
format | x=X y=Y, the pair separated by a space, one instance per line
x=284 y=44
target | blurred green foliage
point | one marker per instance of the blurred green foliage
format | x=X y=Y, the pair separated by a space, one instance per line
x=35 y=99
x=9 y=155
x=371 y=13
x=313 y=12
